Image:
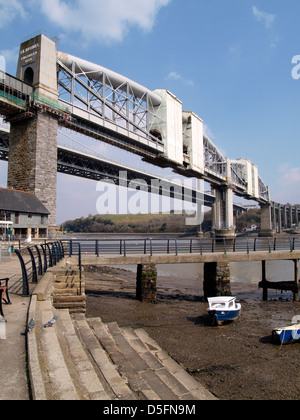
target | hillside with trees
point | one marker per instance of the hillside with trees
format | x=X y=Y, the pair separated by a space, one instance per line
x=150 y=223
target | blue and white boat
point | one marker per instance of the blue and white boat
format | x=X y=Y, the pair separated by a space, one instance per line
x=287 y=335
x=223 y=309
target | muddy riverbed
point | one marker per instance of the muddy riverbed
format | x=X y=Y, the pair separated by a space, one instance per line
x=237 y=361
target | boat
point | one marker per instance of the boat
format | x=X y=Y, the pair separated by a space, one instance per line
x=286 y=335
x=223 y=309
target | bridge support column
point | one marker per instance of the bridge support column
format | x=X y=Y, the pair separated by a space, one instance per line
x=285 y=220
x=266 y=221
x=146 y=283
x=274 y=219
x=223 y=226
x=279 y=218
x=32 y=165
x=216 y=280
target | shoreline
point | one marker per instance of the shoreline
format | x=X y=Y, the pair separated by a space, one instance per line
x=237 y=361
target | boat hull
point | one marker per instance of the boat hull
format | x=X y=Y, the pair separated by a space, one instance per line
x=286 y=335
x=222 y=316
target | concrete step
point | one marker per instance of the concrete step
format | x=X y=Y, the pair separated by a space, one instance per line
x=86 y=359
x=125 y=367
x=179 y=388
x=148 y=367
x=81 y=369
x=150 y=372
x=57 y=381
x=108 y=371
x=194 y=388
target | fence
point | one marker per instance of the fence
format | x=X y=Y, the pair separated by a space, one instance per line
x=151 y=246
x=35 y=260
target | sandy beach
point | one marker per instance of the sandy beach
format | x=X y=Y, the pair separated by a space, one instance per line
x=237 y=361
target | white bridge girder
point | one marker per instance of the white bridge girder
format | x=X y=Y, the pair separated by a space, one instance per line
x=155 y=122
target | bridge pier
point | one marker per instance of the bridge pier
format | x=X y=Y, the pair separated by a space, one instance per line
x=32 y=164
x=216 y=279
x=146 y=283
x=266 y=221
x=223 y=225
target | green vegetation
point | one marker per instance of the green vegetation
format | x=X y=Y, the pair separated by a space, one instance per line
x=140 y=223
x=252 y=217
x=150 y=223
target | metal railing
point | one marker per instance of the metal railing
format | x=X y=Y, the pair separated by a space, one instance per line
x=149 y=246
x=34 y=261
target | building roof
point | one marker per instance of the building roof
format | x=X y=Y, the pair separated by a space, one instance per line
x=23 y=202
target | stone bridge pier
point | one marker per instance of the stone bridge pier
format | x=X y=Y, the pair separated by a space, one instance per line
x=216 y=281
x=32 y=165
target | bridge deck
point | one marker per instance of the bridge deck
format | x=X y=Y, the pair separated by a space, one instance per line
x=184 y=258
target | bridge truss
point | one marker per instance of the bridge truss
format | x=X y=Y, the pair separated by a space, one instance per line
x=109 y=107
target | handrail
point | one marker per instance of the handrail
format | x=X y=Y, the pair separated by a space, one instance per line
x=33 y=265
x=36 y=259
x=164 y=246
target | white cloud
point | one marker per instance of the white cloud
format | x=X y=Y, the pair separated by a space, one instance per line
x=9 y=10
x=289 y=175
x=11 y=55
x=173 y=75
x=266 y=18
x=286 y=188
x=101 y=19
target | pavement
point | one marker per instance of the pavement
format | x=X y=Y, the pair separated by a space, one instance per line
x=13 y=370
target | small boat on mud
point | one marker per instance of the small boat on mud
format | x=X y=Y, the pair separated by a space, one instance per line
x=286 y=335
x=223 y=309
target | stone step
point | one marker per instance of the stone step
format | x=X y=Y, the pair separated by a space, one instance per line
x=81 y=369
x=107 y=369
x=197 y=391
x=66 y=291
x=73 y=307
x=152 y=371
x=67 y=279
x=146 y=374
x=125 y=367
x=57 y=380
x=157 y=366
x=69 y=298
x=70 y=285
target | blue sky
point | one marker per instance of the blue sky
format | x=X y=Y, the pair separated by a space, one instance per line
x=230 y=62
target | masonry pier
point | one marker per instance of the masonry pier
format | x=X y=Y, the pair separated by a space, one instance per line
x=146 y=283
x=216 y=279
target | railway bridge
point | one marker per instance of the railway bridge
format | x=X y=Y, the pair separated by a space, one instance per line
x=53 y=89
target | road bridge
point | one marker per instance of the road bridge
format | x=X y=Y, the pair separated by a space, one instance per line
x=55 y=89
x=72 y=161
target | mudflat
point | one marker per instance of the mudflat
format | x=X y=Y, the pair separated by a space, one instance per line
x=237 y=361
